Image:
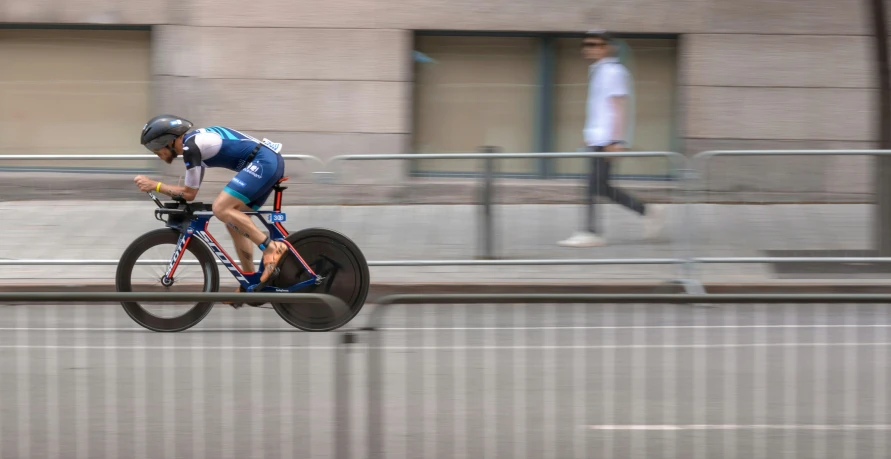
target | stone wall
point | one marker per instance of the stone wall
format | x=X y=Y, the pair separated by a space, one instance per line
x=329 y=78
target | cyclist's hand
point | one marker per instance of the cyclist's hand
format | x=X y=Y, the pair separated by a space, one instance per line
x=144 y=183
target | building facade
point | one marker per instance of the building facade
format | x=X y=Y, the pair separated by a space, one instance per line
x=373 y=76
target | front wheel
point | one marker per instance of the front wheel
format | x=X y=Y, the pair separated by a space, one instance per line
x=197 y=272
x=338 y=259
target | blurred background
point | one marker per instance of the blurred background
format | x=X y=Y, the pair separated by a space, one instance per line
x=760 y=121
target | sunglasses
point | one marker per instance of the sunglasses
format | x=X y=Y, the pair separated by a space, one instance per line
x=592 y=44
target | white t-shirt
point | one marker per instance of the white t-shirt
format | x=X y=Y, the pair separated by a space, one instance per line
x=607 y=78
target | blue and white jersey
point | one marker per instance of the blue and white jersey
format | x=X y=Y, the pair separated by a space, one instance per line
x=218 y=146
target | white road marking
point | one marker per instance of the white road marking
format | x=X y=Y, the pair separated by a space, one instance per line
x=639 y=327
x=450 y=348
x=743 y=427
x=175 y=347
x=629 y=327
x=140 y=329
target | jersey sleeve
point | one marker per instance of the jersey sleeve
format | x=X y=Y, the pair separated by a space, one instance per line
x=194 y=176
x=194 y=150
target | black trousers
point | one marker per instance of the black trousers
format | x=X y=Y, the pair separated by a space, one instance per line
x=598 y=185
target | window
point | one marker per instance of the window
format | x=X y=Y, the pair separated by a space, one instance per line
x=476 y=91
x=74 y=91
x=527 y=93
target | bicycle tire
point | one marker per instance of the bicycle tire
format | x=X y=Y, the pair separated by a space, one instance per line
x=350 y=281
x=125 y=270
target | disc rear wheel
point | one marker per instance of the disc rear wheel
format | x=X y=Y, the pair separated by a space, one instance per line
x=344 y=268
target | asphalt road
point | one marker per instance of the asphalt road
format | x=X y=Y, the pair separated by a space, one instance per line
x=544 y=381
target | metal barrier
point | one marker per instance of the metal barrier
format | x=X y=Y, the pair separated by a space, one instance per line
x=676 y=163
x=577 y=375
x=581 y=376
x=825 y=245
x=81 y=380
x=486 y=234
x=690 y=174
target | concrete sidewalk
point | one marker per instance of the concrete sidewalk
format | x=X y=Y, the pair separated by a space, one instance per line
x=103 y=229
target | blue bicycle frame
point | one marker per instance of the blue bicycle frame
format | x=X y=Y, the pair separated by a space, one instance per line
x=250 y=282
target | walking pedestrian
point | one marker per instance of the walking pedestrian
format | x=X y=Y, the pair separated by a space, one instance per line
x=607 y=130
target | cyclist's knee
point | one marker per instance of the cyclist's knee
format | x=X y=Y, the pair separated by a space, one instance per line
x=221 y=208
x=218 y=210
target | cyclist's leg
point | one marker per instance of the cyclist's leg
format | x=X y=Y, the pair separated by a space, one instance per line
x=270 y=259
x=245 y=250
x=248 y=184
x=243 y=246
x=228 y=209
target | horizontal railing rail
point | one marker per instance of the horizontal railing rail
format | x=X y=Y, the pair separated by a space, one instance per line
x=518 y=262
x=114 y=297
x=791 y=152
x=630 y=298
x=121 y=157
x=679 y=158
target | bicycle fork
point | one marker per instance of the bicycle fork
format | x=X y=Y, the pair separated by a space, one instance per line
x=167 y=279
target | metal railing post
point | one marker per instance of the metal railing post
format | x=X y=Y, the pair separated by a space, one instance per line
x=486 y=235
x=342 y=397
x=375 y=395
x=689 y=179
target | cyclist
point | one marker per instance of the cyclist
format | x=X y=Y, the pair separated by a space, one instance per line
x=258 y=165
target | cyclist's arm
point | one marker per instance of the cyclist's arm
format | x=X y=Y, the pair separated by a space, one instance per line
x=146 y=184
x=192 y=158
x=181 y=192
x=193 y=154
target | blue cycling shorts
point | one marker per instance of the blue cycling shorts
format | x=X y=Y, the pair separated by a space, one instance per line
x=253 y=184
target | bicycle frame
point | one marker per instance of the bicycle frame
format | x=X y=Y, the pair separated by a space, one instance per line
x=249 y=281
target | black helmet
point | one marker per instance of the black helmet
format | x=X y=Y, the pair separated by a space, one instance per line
x=163 y=129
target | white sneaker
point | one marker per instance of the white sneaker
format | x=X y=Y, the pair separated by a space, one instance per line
x=583 y=239
x=655 y=220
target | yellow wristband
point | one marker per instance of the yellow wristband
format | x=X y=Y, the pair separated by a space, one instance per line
x=158 y=187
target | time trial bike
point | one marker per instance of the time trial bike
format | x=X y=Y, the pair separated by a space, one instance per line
x=319 y=261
